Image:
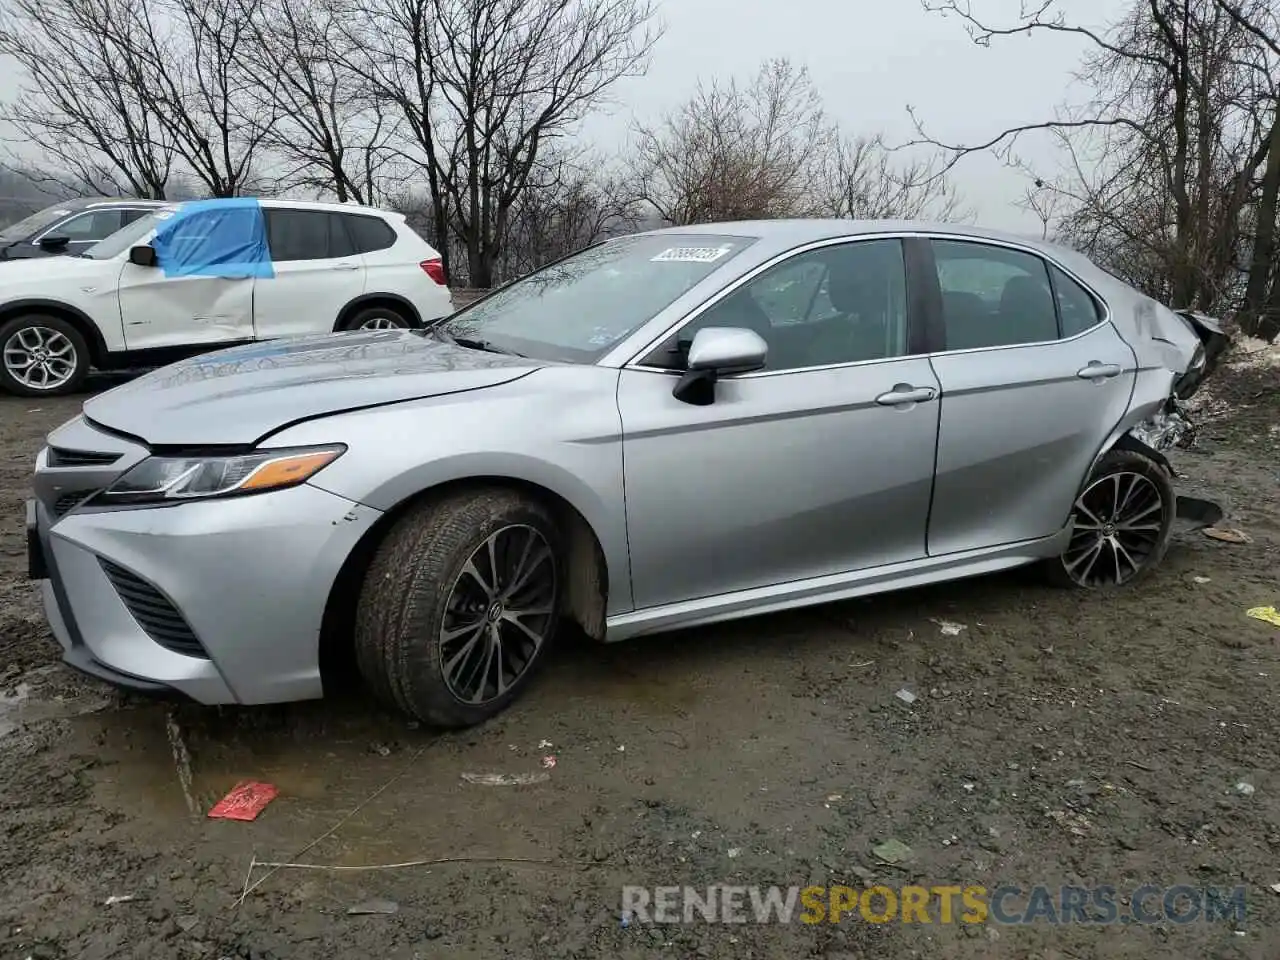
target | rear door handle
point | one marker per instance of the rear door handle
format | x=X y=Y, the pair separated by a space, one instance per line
x=346 y=266
x=1098 y=371
x=904 y=393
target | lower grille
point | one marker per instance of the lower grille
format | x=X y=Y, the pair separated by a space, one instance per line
x=68 y=501
x=155 y=614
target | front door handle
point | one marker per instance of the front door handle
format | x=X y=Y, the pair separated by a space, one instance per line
x=904 y=393
x=1098 y=371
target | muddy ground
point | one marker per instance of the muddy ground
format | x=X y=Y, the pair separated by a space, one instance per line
x=1058 y=739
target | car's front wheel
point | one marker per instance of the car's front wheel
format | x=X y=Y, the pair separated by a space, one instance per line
x=459 y=606
x=1123 y=519
x=42 y=356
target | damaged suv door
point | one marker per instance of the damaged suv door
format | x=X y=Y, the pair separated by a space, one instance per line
x=160 y=310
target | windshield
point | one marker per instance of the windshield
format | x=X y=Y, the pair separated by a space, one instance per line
x=127 y=236
x=30 y=224
x=578 y=309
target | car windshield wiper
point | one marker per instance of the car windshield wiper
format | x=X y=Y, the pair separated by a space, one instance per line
x=474 y=344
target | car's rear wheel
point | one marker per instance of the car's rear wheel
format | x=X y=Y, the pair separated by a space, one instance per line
x=378 y=318
x=459 y=606
x=1123 y=520
x=42 y=356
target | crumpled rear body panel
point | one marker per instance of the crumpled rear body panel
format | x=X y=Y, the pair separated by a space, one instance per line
x=1174 y=352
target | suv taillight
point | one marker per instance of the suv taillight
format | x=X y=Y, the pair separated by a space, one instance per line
x=434 y=269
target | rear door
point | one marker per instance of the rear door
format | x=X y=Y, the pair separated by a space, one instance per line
x=317 y=273
x=820 y=464
x=1033 y=380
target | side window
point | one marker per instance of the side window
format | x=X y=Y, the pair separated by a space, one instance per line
x=340 y=243
x=1076 y=306
x=369 y=233
x=993 y=296
x=839 y=304
x=191 y=235
x=796 y=294
x=93 y=226
x=297 y=234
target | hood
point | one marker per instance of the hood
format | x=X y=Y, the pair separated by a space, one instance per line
x=238 y=396
x=32 y=276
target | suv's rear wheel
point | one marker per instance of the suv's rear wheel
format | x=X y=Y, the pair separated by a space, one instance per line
x=1123 y=520
x=42 y=356
x=459 y=605
x=378 y=318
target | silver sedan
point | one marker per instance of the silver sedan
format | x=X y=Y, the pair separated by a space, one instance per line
x=661 y=431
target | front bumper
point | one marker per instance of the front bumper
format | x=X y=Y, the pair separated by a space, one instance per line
x=220 y=600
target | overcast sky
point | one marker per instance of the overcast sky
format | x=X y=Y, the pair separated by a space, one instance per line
x=869 y=59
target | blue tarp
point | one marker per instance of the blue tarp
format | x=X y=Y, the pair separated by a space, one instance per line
x=215 y=238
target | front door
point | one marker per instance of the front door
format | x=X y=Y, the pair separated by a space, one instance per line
x=821 y=463
x=160 y=309
x=317 y=273
x=1033 y=382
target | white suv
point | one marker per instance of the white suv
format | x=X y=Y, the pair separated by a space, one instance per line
x=320 y=268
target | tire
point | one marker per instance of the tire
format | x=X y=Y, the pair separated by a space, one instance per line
x=378 y=318
x=1125 y=554
x=418 y=587
x=65 y=352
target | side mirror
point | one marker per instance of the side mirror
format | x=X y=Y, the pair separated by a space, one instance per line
x=142 y=256
x=718 y=352
x=54 y=241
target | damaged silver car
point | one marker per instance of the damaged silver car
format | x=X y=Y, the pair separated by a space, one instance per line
x=661 y=431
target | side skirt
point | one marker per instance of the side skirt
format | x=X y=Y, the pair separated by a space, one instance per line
x=840 y=586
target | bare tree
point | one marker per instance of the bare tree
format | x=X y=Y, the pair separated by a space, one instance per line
x=484 y=86
x=1260 y=308
x=736 y=152
x=1163 y=162
x=569 y=205
x=187 y=63
x=325 y=129
x=79 y=105
x=863 y=182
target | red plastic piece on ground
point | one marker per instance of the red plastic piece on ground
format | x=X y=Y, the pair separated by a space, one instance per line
x=244 y=802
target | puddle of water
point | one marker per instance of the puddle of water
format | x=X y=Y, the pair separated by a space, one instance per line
x=177 y=764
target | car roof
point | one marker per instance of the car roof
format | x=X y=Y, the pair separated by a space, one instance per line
x=324 y=205
x=77 y=204
x=808 y=230
x=789 y=233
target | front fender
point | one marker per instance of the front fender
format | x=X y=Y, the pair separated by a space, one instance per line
x=557 y=429
x=98 y=347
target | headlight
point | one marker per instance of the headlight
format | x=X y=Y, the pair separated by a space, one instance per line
x=174 y=479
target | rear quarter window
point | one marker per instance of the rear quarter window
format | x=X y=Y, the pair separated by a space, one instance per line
x=1077 y=307
x=369 y=233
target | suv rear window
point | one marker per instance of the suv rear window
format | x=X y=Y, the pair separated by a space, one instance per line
x=369 y=233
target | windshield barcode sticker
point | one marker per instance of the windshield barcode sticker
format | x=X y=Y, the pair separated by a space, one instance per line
x=691 y=254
